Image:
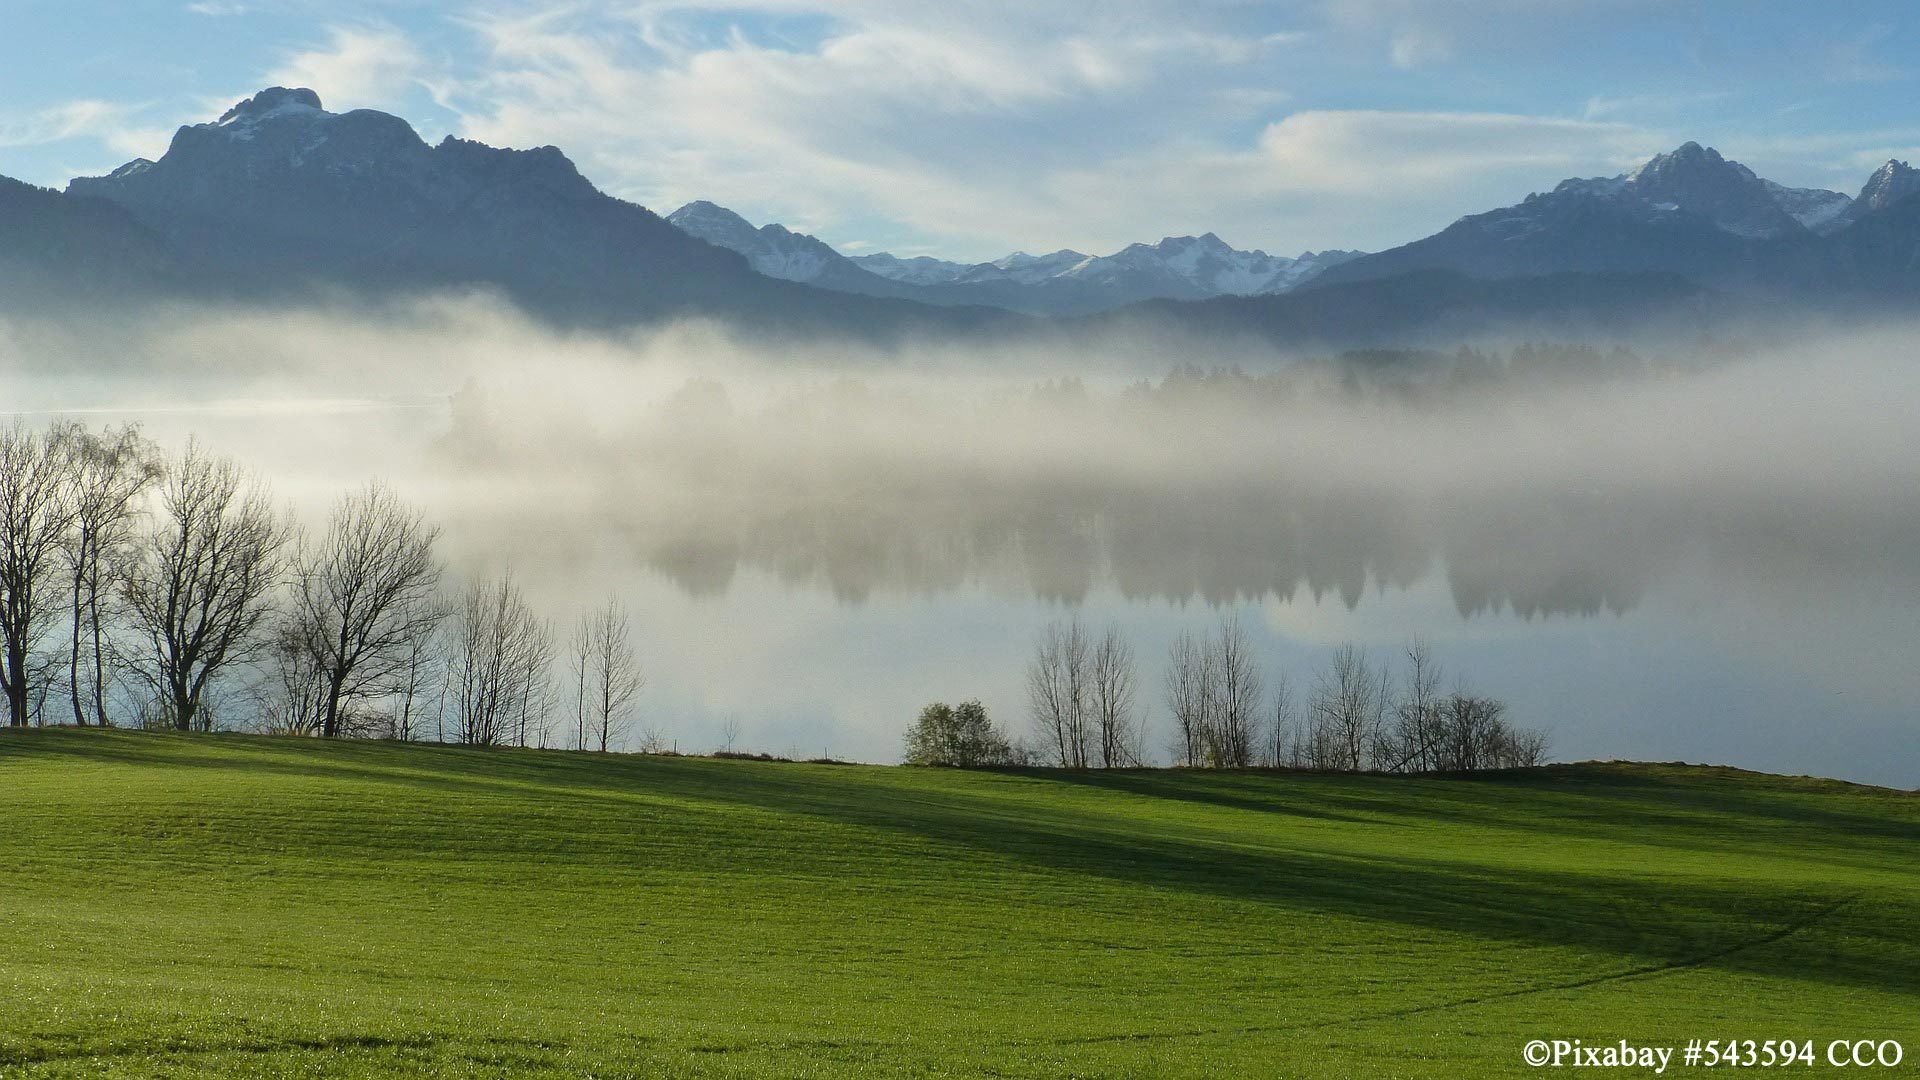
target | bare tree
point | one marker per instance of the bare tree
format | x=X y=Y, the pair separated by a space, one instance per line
x=36 y=514
x=1347 y=710
x=1112 y=680
x=1058 y=689
x=613 y=673
x=362 y=600
x=1474 y=734
x=497 y=675
x=110 y=473
x=1417 y=713
x=582 y=666
x=1282 y=738
x=1524 y=748
x=1187 y=692
x=1472 y=727
x=199 y=586
x=1233 y=697
x=288 y=698
x=416 y=674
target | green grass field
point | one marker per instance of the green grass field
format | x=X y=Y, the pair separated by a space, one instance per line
x=226 y=905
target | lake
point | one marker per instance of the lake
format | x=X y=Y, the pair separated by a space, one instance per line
x=1718 y=566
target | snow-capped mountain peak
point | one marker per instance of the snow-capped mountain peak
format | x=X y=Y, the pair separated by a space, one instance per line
x=1890 y=183
x=773 y=250
x=1697 y=179
x=272 y=102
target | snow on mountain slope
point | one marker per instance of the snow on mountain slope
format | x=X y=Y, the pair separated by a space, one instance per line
x=1023 y=269
x=773 y=250
x=1889 y=184
x=912 y=270
x=1175 y=267
x=1818 y=209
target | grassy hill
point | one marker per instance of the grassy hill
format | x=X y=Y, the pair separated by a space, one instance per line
x=177 y=905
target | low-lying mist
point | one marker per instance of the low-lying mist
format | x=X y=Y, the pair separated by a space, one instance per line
x=1767 y=499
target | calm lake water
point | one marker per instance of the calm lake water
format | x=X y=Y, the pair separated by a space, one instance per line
x=1704 y=609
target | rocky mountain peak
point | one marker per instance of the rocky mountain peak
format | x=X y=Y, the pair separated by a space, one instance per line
x=275 y=100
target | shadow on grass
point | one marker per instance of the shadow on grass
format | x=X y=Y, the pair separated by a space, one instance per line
x=1731 y=917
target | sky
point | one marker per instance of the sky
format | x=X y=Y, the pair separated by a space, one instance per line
x=968 y=130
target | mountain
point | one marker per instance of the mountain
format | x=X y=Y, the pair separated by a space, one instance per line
x=1064 y=282
x=1178 y=267
x=1818 y=209
x=1695 y=179
x=1889 y=184
x=1207 y=266
x=1022 y=268
x=51 y=244
x=912 y=270
x=1689 y=212
x=778 y=252
x=281 y=195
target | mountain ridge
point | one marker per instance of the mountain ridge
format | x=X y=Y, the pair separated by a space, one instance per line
x=279 y=196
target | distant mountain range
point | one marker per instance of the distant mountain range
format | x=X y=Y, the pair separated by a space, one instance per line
x=1061 y=283
x=280 y=197
x=1693 y=213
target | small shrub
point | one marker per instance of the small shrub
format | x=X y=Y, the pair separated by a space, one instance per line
x=957 y=735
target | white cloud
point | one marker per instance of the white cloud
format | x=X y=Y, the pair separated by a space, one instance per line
x=1414 y=47
x=358 y=67
x=936 y=117
x=974 y=139
x=67 y=120
x=1348 y=177
x=111 y=124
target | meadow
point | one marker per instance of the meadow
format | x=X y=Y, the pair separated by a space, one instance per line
x=188 y=905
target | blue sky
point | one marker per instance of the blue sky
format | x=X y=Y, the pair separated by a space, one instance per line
x=971 y=129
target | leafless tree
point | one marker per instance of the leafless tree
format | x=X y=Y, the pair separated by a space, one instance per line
x=1470 y=732
x=200 y=582
x=1474 y=734
x=1417 y=713
x=111 y=471
x=1283 y=736
x=1187 y=682
x=1058 y=691
x=1524 y=749
x=1233 y=696
x=613 y=676
x=416 y=673
x=36 y=514
x=362 y=600
x=581 y=667
x=288 y=698
x=497 y=675
x=1112 y=679
x=1348 y=709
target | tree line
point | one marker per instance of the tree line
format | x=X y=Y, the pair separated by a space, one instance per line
x=1226 y=712
x=166 y=590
